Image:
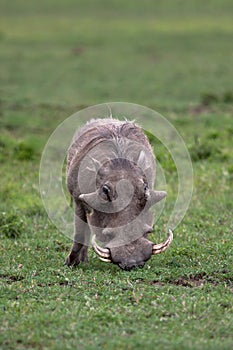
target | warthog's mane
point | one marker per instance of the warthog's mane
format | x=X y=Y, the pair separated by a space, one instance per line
x=118 y=133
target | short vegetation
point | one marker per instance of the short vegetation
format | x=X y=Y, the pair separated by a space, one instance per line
x=58 y=57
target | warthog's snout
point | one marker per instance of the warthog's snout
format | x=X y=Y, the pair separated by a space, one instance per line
x=132 y=255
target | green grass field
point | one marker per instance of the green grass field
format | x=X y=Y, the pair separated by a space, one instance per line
x=57 y=57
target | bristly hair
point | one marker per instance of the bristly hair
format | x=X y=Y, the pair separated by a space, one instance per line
x=119 y=163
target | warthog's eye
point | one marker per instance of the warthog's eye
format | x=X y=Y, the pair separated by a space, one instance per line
x=146 y=191
x=106 y=191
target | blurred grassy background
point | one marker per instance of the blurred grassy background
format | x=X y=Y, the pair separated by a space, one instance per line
x=57 y=57
x=161 y=54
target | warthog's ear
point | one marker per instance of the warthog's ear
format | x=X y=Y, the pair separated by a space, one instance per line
x=156 y=196
x=89 y=198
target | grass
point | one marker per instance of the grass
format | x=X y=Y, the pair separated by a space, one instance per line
x=58 y=57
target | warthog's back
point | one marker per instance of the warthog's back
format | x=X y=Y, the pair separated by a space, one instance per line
x=98 y=131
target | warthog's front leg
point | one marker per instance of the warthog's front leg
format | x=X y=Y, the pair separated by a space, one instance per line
x=79 y=250
x=77 y=254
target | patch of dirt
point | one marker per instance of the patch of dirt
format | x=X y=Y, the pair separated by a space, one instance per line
x=157 y=283
x=215 y=278
x=182 y=281
x=11 y=279
x=199 y=109
x=77 y=51
x=191 y=281
x=198 y=280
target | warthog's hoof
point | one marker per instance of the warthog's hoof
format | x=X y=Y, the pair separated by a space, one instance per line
x=77 y=255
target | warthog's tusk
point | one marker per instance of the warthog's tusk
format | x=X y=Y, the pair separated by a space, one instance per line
x=103 y=253
x=105 y=260
x=159 y=248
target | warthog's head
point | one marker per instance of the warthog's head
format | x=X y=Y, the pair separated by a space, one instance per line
x=119 y=214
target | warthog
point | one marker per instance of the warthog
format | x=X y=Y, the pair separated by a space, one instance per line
x=110 y=176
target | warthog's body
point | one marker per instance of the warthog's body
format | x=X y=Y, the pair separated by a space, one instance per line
x=110 y=176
